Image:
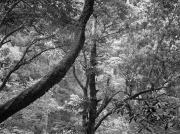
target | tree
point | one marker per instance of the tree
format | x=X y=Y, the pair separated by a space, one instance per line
x=40 y=88
x=129 y=67
x=92 y=105
x=144 y=60
x=150 y=75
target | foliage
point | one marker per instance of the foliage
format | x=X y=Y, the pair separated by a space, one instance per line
x=149 y=68
x=136 y=67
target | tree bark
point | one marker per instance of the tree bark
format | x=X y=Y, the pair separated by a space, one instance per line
x=34 y=92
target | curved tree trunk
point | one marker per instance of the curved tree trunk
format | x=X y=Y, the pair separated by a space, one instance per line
x=32 y=93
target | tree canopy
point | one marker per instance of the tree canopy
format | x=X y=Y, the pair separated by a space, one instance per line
x=92 y=66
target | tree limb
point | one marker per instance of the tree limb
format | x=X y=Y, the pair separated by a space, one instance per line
x=35 y=56
x=106 y=101
x=9 y=34
x=102 y=119
x=16 y=67
x=21 y=63
x=129 y=98
x=77 y=79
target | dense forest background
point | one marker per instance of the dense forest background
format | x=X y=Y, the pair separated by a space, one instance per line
x=89 y=66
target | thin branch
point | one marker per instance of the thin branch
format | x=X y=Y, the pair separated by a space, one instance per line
x=26 y=51
x=106 y=101
x=129 y=98
x=143 y=92
x=102 y=119
x=5 y=42
x=21 y=63
x=144 y=99
x=116 y=94
x=9 y=34
x=77 y=79
x=104 y=104
x=16 y=67
x=35 y=56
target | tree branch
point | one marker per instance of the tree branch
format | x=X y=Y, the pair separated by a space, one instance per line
x=102 y=119
x=9 y=34
x=35 y=56
x=106 y=101
x=5 y=42
x=21 y=63
x=77 y=79
x=129 y=98
x=16 y=67
x=143 y=92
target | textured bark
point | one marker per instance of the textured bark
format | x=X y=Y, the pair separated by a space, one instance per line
x=55 y=75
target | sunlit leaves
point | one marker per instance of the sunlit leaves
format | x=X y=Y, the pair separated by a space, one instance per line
x=14 y=53
x=75 y=104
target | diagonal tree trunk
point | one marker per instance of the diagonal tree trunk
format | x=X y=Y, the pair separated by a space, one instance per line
x=32 y=93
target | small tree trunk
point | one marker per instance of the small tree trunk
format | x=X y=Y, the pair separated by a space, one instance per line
x=92 y=83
